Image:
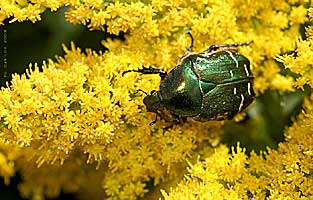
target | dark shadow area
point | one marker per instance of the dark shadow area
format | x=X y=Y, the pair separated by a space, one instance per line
x=10 y=192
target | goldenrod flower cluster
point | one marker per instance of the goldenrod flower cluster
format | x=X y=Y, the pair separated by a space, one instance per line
x=76 y=126
x=285 y=173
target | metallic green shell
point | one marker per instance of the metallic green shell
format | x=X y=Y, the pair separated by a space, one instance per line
x=181 y=93
x=211 y=86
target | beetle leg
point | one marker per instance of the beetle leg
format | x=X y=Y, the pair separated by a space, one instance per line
x=155 y=120
x=148 y=70
x=175 y=119
x=169 y=117
x=140 y=90
x=183 y=119
x=188 y=51
x=219 y=46
x=192 y=42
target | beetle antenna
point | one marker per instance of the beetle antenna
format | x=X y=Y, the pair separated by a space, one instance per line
x=148 y=70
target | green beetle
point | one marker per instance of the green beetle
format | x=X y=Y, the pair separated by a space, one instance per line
x=213 y=85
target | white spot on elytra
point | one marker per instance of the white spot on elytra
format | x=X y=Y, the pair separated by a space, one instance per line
x=235 y=91
x=232 y=56
x=249 y=87
x=181 y=86
x=231 y=73
x=246 y=69
x=241 y=103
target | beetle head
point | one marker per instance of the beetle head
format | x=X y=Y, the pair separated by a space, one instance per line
x=153 y=101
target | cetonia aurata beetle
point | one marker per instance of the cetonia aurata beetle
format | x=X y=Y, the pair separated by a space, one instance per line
x=215 y=84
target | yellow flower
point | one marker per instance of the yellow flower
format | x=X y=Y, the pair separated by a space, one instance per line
x=79 y=114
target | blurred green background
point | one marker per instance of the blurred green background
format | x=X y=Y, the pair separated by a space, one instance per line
x=263 y=126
